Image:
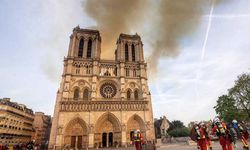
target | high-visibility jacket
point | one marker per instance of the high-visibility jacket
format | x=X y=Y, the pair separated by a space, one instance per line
x=137 y=136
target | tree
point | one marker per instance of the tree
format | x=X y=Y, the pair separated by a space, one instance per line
x=226 y=108
x=176 y=124
x=179 y=132
x=236 y=105
x=241 y=93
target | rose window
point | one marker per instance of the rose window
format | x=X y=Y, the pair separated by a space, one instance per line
x=108 y=90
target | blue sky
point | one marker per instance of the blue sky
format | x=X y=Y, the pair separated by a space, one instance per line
x=35 y=37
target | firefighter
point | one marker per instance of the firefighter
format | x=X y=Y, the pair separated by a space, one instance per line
x=220 y=129
x=197 y=134
x=202 y=141
x=206 y=131
x=242 y=133
x=137 y=138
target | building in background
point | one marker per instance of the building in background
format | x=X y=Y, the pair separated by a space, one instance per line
x=42 y=126
x=100 y=103
x=161 y=127
x=15 y=122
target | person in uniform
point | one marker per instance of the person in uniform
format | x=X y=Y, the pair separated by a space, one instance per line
x=137 y=138
x=242 y=133
x=220 y=129
x=206 y=132
x=197 y=134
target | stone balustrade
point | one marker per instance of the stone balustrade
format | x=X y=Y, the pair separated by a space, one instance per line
x=73 y=105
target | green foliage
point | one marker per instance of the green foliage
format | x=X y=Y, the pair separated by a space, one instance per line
x=179 y=132
x=241 y=93
x=176 y=124
x=236 y=105
x=226 y=108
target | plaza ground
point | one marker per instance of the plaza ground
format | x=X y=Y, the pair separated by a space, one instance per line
x=216 y=146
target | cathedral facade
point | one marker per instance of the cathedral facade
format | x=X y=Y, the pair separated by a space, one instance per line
x=100 y=103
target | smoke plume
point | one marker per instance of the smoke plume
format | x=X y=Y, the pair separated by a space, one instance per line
x=114 y=17
x=169 y=21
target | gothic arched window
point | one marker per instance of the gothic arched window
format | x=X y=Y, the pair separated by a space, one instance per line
x=128 y=94
x=86 y=94
x=133 y=52
x=136 y=95
x=80 y=49
x=89 y=50
x=76 y=93
x=126 y=52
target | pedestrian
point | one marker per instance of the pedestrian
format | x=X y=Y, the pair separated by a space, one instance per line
x=220 y=129
x=137 y=138
x=197 y=134
x=206 y=132
x=242 y=133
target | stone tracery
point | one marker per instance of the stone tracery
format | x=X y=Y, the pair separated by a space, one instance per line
x=108 y=90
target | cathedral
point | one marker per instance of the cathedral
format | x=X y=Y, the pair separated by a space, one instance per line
x=100 y=103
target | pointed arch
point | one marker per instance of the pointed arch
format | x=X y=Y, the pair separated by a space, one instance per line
x=133 y=52
x=136 y=118
x=80 y=48
x=76 y=93
x=136 y=94
x=70 y=126
x=86 y=94
x=110 y=118
x=135 y=122
x=107 y=123
x=89 y=49
x=76 y=133
x=126 y=52
x=129 y=94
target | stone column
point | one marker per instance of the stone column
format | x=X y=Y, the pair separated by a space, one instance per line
x=124 y=138
x=132 y=94
x=129 y=52
x=76 y=142
x=122 y=51
x=137 y=52
x=85 y=47
x=141 y=51
x=91 y=140
x=107 y=140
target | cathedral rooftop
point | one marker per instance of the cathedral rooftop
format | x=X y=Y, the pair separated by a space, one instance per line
x=129 y=36
x=78 y=29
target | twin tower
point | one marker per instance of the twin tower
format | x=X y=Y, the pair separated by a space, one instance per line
x=100 y=103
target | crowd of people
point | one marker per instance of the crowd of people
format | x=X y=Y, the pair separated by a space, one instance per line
x=228 y=134
x=24 y=146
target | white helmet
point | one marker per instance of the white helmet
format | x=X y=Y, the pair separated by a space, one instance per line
x=234 y=121
x=216 y=120
x=202 y=123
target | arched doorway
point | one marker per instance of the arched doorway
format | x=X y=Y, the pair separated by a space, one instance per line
x=107 y=131
x=110 y=143
x=135 y=122
x=104 y=139
x=75 y=135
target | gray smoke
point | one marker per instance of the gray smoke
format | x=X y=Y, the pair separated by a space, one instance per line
x=114 y=17
x=169 y=20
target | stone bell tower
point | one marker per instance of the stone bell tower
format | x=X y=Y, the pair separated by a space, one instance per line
x=101 y=102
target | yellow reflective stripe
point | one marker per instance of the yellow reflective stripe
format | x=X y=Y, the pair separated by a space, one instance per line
x=207 y=146
x=245 y=144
